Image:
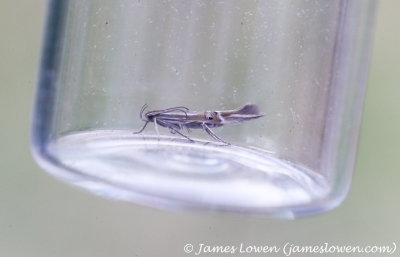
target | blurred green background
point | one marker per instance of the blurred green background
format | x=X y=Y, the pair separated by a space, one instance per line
x=40 y=216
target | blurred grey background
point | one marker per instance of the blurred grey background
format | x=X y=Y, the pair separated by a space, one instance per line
x=40 y=216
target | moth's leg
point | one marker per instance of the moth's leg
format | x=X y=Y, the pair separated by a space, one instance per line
x=167 y=124
x=174 y=130
x=180 y=109
x=213 y=135
x=156 y=127
x=181 y=126
x=177 y=107
x=140 y=131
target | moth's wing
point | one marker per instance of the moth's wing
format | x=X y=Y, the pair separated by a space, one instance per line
x=244 y=113
x=248 y=109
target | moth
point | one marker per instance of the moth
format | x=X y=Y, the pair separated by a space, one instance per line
x=178 y=118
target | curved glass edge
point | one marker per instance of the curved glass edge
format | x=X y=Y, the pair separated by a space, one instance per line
x=45 y=88
x=344 y=158
x=97 y=186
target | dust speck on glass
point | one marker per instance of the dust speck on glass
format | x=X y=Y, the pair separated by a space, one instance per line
x=255 y=105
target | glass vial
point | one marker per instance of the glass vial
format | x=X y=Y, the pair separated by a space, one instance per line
x=299 y=66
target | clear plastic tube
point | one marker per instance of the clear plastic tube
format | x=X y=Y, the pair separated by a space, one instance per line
x=303 y=64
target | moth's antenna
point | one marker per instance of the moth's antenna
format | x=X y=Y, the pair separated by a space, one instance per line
x=141 y=112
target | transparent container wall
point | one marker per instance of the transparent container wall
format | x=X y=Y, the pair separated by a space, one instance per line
x=302 y=66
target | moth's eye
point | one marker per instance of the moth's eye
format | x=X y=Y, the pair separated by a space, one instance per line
x=210 y=118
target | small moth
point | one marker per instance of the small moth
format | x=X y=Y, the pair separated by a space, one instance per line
x=177 y=118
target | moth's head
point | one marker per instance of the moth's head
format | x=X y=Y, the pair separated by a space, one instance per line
x=149 y=116
x=212 y=117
